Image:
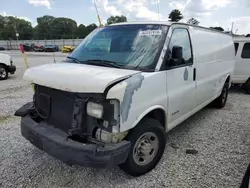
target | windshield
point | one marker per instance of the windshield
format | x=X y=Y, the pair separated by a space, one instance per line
x=127 y=46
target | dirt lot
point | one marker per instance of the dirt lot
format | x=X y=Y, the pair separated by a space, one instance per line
x=221 y=137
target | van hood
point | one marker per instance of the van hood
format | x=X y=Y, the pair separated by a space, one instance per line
x=78 y=78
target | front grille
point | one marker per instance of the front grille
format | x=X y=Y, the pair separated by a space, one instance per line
x=58 y=108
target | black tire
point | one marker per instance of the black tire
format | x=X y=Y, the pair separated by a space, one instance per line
x=221 y=101
x=146 y=126
x=3 y=72
x=246 y=86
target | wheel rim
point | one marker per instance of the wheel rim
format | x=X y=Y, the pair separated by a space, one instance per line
x=145 y=148
x=3 y=73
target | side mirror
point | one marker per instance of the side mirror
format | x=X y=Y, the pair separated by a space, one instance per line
x=177 y=53
x=176 y=56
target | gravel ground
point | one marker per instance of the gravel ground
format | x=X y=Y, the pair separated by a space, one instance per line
x=221 y=138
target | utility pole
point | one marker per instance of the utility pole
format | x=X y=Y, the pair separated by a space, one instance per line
x=232 y=28
x=17 y=34
x=158 y=8
x=99 y=19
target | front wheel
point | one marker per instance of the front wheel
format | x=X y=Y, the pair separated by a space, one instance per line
x=148 y=142
x=221 y=101
x=3 y=72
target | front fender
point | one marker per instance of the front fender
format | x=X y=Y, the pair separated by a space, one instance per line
x=5 y=59
x=138 y=95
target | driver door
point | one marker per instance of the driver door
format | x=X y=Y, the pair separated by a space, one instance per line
x=181 y=84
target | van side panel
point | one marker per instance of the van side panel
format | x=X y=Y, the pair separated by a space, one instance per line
x=242 y=66
x=138 y=95
x=215 y=58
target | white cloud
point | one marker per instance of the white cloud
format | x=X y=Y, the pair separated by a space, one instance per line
x=198 y=8
x=4 y=14
x=111 y=9
x=202 y=10
x=25 y=18
x=154 y=2
x=21 y=17
x=177 y=5
x=45 y=3
x=132 y=9
x=241 y=24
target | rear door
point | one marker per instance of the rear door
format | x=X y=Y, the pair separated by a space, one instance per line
x=242 y=67
x=181 y=84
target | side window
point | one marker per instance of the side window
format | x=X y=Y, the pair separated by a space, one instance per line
x=180 y=38
x=236 y=46
x=246 y=51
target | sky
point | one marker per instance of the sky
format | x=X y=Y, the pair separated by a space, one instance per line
x=209 y=12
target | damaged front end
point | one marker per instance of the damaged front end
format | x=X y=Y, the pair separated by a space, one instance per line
x=77 y=128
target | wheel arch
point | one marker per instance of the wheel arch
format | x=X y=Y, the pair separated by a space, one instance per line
x=6 y=69
x=228 y=80
x=3 y=64
x=157 y=112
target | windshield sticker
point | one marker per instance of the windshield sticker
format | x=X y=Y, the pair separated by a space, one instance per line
x=150 y=33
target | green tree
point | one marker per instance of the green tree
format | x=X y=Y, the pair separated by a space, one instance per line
x=44 y=27
x=82 y=31
x=1 y=26
x=25 y=30
x=9 y=25
x=63 y=28
x=116 y=19
x=217 y=28
x=91 y=28
x=175 y=15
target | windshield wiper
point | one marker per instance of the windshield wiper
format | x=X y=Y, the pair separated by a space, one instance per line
x=102 y=62
x=74 y=59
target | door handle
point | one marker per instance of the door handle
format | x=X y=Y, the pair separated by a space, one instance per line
x=194 y=75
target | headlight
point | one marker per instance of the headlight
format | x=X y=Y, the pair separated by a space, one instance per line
x=95 y=110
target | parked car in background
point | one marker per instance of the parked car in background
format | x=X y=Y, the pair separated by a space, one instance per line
x=6 y=66
x=38 y=48
x=115 y=97
x=242 y=66
x=51 y=48
x=2 y=48
x=27 y=47
x=68 y=49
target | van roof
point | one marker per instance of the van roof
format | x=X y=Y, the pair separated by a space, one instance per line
x=241 y=39
x=167 y=24
x=144 y=22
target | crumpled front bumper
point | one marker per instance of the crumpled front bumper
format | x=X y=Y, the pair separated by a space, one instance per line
x=57 y=144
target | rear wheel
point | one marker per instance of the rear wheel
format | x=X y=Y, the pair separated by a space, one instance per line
x=148 y=142
x=3 y=72
x=221 y=101
x=246 y=86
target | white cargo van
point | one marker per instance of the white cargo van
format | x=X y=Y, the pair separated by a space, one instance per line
x=123 y=87
x=242 y=62
x=6 y=66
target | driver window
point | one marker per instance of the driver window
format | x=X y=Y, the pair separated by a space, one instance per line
x=180 y=37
